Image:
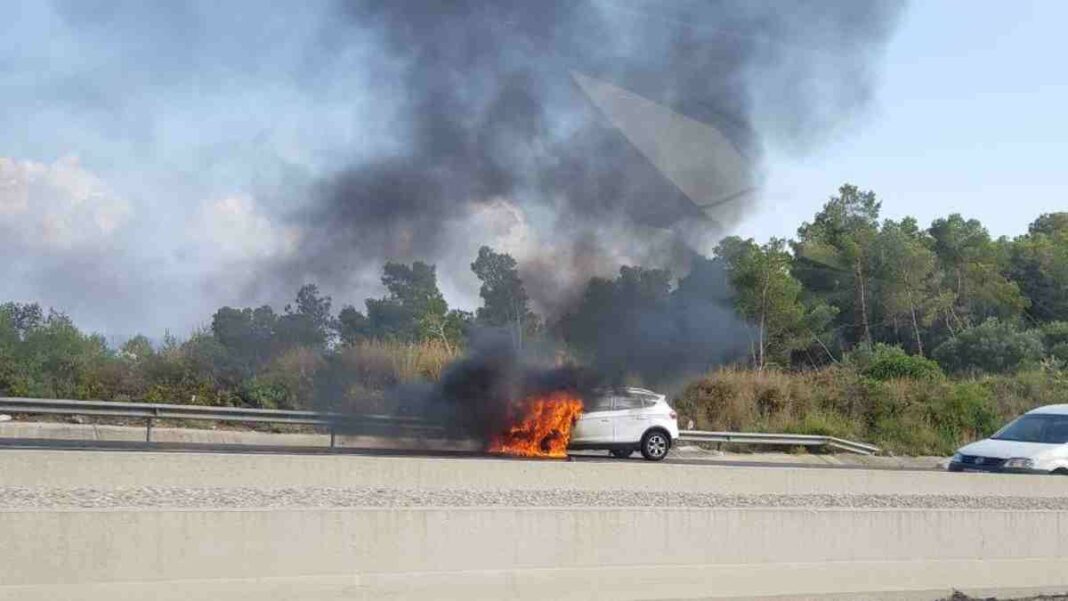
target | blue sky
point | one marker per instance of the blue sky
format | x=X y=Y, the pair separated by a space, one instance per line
x=970 y=115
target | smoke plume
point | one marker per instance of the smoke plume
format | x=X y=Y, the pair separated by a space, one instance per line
x=475 y=396
x=577 y=117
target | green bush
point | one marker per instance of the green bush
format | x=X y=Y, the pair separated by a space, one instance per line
x=892 y=362
x=918 y=416
x=995 y=347
x=964 y=412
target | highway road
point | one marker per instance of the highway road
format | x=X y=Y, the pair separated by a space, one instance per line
x=277 y=524
x=695 y=457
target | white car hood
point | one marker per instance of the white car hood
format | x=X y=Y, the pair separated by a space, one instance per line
x=1007 y=449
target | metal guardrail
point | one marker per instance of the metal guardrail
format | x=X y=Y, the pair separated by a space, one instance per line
x=151 y=412
x=799 y=440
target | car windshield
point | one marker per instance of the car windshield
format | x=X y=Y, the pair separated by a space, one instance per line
x=1036 y=427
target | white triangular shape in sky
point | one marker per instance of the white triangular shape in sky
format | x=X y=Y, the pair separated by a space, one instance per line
x=696 y=157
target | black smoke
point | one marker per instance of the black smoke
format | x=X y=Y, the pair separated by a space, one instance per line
x=476 y=395
x=484 y=106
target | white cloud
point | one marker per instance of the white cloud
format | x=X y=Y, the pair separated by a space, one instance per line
x=233 y=229
x=57 y=207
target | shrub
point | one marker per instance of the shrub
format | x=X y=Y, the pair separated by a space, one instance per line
x=995 y=347
x=892 y=362
x=902 y=415
x=965 y=413
x=1055 y=337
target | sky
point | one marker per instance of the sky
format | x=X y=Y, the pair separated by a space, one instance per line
x=112 y=173
x=970 y=116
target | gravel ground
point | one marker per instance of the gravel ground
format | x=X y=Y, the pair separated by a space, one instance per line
x=317 y=497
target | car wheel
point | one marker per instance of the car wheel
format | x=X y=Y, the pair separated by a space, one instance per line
x=655 y=445
x=621 y=453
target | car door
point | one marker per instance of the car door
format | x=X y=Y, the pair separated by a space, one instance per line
x=594 y=425
x=629 y=418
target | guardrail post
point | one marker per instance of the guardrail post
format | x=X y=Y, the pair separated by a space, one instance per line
x=333 y=434
x=148 y=429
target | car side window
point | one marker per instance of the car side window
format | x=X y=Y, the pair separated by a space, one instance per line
x=628 y=402
x=598 y=403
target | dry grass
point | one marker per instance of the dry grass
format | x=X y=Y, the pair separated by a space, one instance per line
x=364 y=372
x=902 y=415
x=379 y=364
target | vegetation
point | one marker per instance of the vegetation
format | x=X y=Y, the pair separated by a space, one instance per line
x=914 y=338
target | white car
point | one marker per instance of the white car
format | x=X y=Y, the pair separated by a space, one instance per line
x=624 y=420
x=1034 y=443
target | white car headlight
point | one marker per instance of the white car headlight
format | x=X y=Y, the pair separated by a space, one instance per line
x=956 y=458
x=1020 y=463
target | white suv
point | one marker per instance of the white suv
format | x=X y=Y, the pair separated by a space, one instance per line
x=624 y=420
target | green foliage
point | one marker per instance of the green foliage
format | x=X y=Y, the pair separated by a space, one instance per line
x=309 y=323
x=973 y=265
x=907 y=279
x=835 y=259
x=414 y=308
x=994 y=346
x=903 y=415
x=880 y=296
x=967 y=412
x=885 y=362
x=353 y=326
x=504 y=299
x=1039 y=264
x=769 y=297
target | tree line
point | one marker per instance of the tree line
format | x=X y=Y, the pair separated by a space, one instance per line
x=949 y=292
x=849 y=288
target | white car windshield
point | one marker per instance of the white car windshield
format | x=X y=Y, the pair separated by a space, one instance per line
x=1036 y=427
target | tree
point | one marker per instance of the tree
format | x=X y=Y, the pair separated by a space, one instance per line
x=907 y=275
x=310 y=323
x=138 y=348
x=352 y=326
x=1055 y=337
x=834 y=255
x=504 y=300
x=973 y=266
x=21 y=318
x=414 y=309
x=624 y=326
x=767 y=295
x=1038 y=264
x=248 y=335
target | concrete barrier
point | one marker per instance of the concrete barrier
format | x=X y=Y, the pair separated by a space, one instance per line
x=493 y=553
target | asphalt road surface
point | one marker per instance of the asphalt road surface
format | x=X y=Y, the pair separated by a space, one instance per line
x=676 y=457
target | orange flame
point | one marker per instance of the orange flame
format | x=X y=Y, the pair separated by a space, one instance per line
x=543 y=429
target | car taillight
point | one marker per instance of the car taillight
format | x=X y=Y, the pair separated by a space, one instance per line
x=673 y=414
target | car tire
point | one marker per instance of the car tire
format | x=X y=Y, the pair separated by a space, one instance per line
x=621 y=453
x=655 y=445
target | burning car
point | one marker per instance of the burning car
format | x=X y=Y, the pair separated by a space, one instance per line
x=625 y=420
